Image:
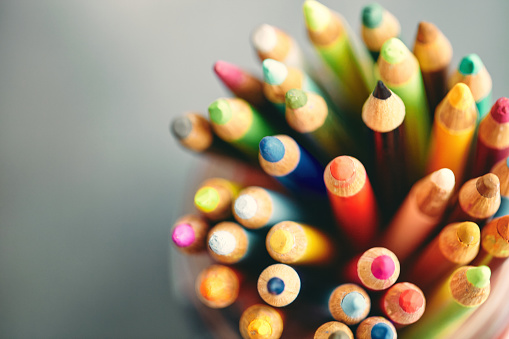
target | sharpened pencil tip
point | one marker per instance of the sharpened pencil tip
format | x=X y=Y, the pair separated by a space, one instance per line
x=245 y=206
x=274 y=72
x=353 y=304
x=383 y=267
x=222 y=242
x=296 y=98
x=228 y=73
x=339 y=335
x=488 y=185
x=426 y=32
x=206 y=199
x=468 y=233
x=479 y=276
x=220 y=112
x=259 y=327
x=503 y=227
x=181 y=127
x=183 y=235
x=444 y=179
x=382 y=331
x=272 y=149
x=372 y=15
x=381 y=91
x=264 y=38
x=394 y=51
x=500 y=110
x=411 y=300
x=316 y=15
x=470 y=64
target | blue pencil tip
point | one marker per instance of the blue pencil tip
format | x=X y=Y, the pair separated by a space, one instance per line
x=382 y=331
x=275 y=286
x=353 y=304
x=272 y=149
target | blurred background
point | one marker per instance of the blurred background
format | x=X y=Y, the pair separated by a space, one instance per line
x=90 y=178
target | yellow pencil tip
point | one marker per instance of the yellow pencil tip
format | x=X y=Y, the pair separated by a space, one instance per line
x=281 y=241
x=316 y=15
x=468 y=233
x=460 y=96
x=259 y=327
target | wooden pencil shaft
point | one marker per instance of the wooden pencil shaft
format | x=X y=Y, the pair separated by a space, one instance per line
x=261 y=321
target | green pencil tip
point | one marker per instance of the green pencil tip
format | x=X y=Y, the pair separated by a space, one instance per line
x=316 y=15
x=296 y=98
x=479 y=276
x=274 y=72
x=372 y=15
x=220 y=112
x=470 y=64
x=206 y=199
x=394 y=51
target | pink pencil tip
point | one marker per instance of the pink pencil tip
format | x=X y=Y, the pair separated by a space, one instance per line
x=500 y=110
x=383 y=267
x=183 y=235
x=229 y=74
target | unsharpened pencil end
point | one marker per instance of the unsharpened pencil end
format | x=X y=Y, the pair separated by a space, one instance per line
x=468 y=233
x=228 y=73
x=353 y=304
x=411 y=301
x=426 y=32
x=500 y=110
x=444 y=179
x=245 y=206
x=181 y=127
x=259 y=328
x=382 y=331
x=264 y=38
x=272 y=149
x=183 y=235
x=296 y=98
x=220 y=112
x=316 y=15
x=206 y=199
x=470 y=64
x=381 y=91
x=394 y=51
x=274 y=72
x=372 y=15
x=479 y=276
x=460 y=97
x=488 y=185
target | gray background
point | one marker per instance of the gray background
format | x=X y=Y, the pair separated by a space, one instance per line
x=89 y=176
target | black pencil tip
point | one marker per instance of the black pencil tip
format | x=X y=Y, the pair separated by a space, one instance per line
x=381 y=91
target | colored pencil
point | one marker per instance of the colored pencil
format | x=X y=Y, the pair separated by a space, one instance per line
x=494 y=243
x=309 y=114
x=403 y=304
x=271 y=42
x=383 y=114
x=279 y=285
x=339 y=49
x=456 y=245
x=217 y=286
x=214 y=198
x=492 y=138
x=377 y=268
x=478 y=200
x=434 y=53
x=193 y=131
x=419 y=214
x=280 y=78
x=257 y=207
x=399 y=70
x=229 y=243
x=261 y=321
x=292 y=243
x=453 y=132
x=378 y=26
x=237 y=122
x=189 y=233
x=283 y=158
x=333 y=330
x=450 y=305
x=349 y=304
x=473 y=73
x=501 y=170
x=241 y=83
x=352 y=200
x=376 y=328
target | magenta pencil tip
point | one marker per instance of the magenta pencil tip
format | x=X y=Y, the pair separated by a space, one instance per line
x=229 y=74
x=183 y=235
x=383 y=267
x=500 y=110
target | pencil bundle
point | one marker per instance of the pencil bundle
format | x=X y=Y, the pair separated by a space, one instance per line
x=373 y=218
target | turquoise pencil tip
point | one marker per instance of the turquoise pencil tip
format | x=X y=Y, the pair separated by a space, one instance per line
x=372 y=15
x=470 y=64
x=274 y=72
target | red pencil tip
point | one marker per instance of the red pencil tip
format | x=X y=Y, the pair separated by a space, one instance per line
x=411 y=301
x=342 y=168
x=500 y=110
x=228 y=73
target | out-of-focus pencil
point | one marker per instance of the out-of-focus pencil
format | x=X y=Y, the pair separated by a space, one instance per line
x=501 y=170
x=189 y=233
x=229 y=243
x=434 y=53
x=333 y=330
x=376 y=328
x=419 y=214
x=378 y=26
x=494 y=243
x=261 y=321
x=217 y=286
x=404 y=304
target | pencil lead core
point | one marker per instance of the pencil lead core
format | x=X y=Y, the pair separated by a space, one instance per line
x=181 y=127
x=372 y=15
x=470 y=64
x=468 y=233
x=479 y=276
x=220 y=112
x=272 y=149
x=500 y=110
x=381 y=91
x=274 y=72
x=296 y=98
x=411 y=301
x=426 y=32
x=382 y=331
x=488 y=185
